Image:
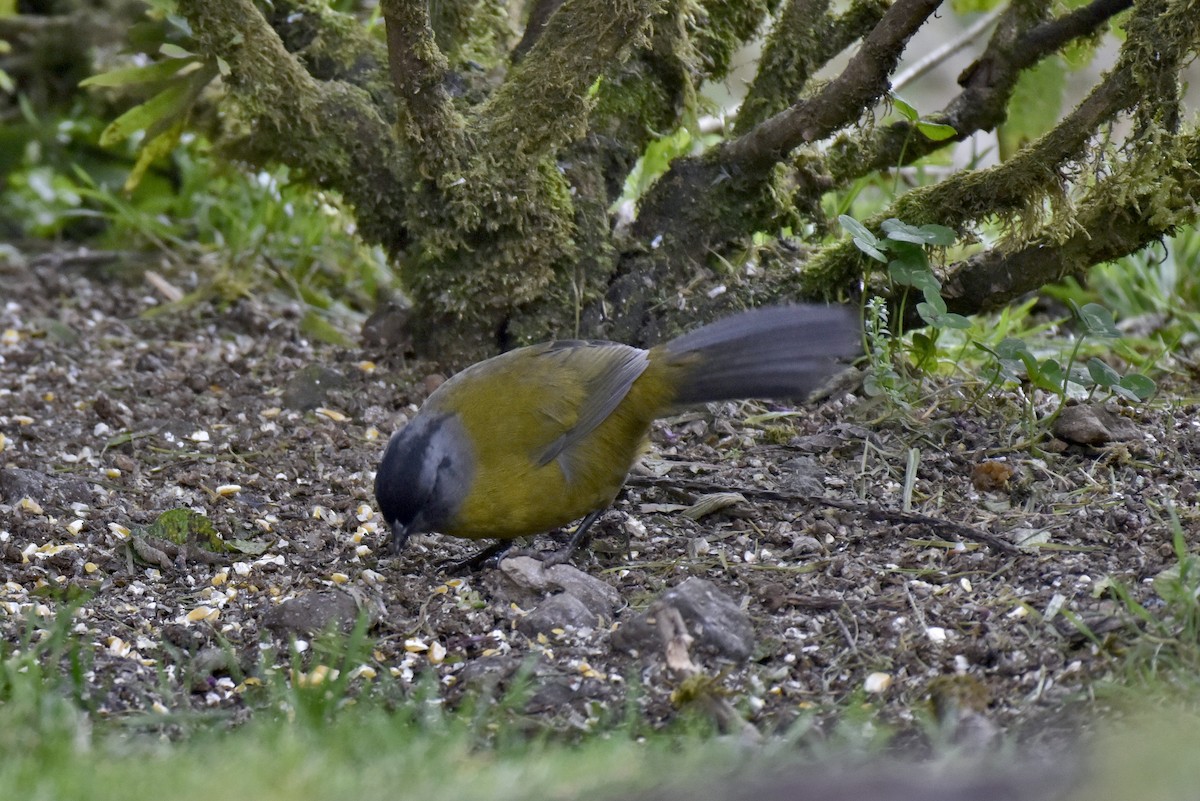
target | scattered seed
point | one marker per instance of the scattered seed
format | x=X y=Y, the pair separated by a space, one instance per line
x=365 y=671
x=228 y=489
x=28 y=504
x=202 y=613
x=332 y=414
x=877 y=682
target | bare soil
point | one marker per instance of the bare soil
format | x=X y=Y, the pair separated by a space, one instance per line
x=229 y=410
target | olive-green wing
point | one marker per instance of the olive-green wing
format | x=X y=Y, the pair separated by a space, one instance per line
x=596 y=377
x=541 y=401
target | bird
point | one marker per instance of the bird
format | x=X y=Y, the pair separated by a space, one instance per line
x=543 y=435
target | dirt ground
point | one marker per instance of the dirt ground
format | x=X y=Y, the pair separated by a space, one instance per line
x=110 y=418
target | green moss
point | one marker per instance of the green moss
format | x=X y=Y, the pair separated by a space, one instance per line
x=337 y=46
x=717 y=28
x=499 y=237
x=471 y=30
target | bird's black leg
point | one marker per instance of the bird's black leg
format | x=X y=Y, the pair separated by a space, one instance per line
x=577 y=539
x=477 y=561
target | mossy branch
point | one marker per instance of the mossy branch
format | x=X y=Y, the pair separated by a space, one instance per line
x=432 y=126
x=329 y=129
x=842 y=100
x=1113 y=223
x=1153 y=51
x=539 y=15
x=717 y=28
x=1019 y=42
x=334 y=46
x=696 y=206
x=544 y=102
x=803 y=40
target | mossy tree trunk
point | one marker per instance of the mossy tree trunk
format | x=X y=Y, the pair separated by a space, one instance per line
x=487 y=156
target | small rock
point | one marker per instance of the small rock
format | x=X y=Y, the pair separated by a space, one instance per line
x=308 y=388
x=17 y=483
x=803 y=475
x=388 y=327
x=557 y=611
x=717 y=623
x=213 y=661
x=313 y=612
x=552 y=693
x=111 y=411
x=805 y=544
x=1085 y=424
x=525 y=581
x=487 y=674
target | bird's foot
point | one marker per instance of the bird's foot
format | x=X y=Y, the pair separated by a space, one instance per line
x=491 y=554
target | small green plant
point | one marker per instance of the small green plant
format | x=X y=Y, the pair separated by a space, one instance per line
x=1058 y=377
x=883 y=378
x=903 y=248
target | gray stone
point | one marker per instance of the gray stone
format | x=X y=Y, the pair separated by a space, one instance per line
x=557 y=612
x=716 y=622
x=524 y=581
x=17 y=483
x=1089 y=424
x=313 y=612
x=803 y=475
x=308 y=388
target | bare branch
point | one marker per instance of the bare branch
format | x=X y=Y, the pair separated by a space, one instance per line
x=938 y=56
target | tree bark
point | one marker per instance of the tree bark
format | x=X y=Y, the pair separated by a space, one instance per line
x=492 y=184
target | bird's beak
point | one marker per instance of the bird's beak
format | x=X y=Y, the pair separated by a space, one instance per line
x=399 y=538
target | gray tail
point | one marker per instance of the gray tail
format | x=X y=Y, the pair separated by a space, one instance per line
x=772 y=352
